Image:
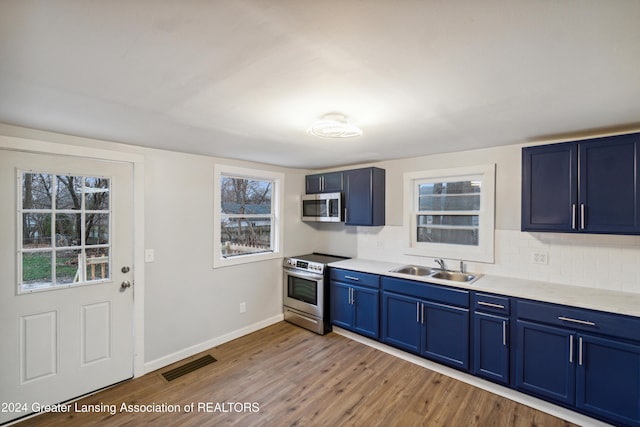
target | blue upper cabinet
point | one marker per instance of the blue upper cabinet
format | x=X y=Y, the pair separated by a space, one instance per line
x=609 y=185
x=365 y=196
x=586 y=186
x=549 y=187
x=330 y=182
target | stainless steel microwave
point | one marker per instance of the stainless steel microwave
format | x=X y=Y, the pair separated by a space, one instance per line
x=325 y=207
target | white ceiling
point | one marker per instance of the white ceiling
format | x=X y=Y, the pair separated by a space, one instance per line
x=245 y=78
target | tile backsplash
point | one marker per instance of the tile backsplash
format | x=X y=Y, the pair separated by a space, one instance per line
x=595 y=261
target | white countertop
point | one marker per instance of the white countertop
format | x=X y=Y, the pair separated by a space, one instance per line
x=591 y=298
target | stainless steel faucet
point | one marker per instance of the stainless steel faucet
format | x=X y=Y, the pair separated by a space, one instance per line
x=440 y=262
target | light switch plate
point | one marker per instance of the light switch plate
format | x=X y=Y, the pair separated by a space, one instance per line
x=149 y=255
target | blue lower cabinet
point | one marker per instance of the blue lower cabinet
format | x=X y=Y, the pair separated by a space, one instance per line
x=491 y=347
x=401 y=325
x=608 y=379
x=437 y=331
x=341 y=309
x=598 y=376
x=544 y=361
x=446 y=334
x=366 y=308
x=355 y=308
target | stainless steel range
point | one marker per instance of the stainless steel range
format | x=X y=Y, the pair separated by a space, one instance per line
x=306 y=291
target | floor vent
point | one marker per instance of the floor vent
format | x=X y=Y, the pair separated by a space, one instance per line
x=188 y=367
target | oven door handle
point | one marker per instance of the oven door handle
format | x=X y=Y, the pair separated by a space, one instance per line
x=303 y=275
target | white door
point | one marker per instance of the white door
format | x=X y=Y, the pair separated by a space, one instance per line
x=66 y=301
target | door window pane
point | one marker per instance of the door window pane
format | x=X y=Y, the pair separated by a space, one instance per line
x=36 y=269
x=67 y=266
x=97 y=264
x=68 y=229
x=36 y=230
x=65 y=223
x=97 y=229
x=68 y=192
x=96 y=194
x=36 y=191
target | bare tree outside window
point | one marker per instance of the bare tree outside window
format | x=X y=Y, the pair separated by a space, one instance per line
x=247 y=216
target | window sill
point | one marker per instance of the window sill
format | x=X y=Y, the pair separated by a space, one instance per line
x=219 y=262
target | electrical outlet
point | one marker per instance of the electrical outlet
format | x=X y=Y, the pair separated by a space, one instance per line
x=540 y=257
x=380 y=244
x=243 y=307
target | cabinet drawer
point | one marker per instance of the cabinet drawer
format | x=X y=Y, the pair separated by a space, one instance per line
x=491 y=303
x=355 y=277
x=580 y=319
x=427 y=291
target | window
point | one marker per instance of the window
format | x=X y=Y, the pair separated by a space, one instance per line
x=64 y=229
x=451 y=213
x=247 y=216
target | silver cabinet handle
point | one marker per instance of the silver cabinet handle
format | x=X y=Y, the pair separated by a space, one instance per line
x=418 y=312
x=581 y=322
x=504 y=333
x=580 y=351
x=570 y=348
x=573 y=216
x=582 y=216
x=489 y=304
x=422 y=314
x=352 y=278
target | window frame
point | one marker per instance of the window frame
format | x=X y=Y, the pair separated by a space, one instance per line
x=484 y=251
x=222 y=170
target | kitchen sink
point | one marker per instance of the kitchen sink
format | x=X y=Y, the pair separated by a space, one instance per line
x=454 y=276
x=414 y=270
x=436 y=273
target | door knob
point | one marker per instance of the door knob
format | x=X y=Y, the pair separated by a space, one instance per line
x=124 y=285
x=125 y=269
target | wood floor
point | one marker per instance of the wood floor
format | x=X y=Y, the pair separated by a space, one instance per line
x=286 y=376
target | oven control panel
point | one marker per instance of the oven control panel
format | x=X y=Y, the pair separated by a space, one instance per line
x=304 y=265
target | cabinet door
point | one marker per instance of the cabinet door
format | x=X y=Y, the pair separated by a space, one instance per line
x=401 y=321
x=330 y=182
x=549 y=187
x=341 y=308
x=364 y=196
x=491 y=347
x=366 y=308
x=544 y=361
x=609 y=185
x=446 y=334
x=608 y=379
x=313 y=184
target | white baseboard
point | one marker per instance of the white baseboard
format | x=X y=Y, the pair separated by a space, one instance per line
x=508 y=393
x=190 y=351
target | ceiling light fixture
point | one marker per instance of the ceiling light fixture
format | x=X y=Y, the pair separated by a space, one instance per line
x=334 y=125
